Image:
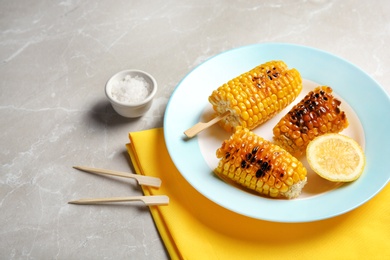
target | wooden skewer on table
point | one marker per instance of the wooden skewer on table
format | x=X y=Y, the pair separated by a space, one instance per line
x=142 y=180
x=148 y=200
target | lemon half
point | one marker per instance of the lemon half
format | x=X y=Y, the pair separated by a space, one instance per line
x=336 y=157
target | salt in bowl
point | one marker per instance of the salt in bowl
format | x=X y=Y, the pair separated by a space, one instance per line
x=131 y=92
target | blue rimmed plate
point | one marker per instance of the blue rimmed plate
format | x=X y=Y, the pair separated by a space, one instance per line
x=361 y=96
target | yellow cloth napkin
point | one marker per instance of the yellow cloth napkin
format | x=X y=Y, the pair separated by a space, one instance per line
x=192 y=227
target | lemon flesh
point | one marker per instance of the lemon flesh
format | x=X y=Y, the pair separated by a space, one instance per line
x=336 y=157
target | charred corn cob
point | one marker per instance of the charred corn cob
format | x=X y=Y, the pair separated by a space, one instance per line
x=318 y=113
x=257 y=95
x=260 y=166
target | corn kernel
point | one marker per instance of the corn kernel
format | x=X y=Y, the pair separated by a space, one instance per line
x=296 y=177
x=299 y=141
x=284 y=188
x=242 y=106
x=323 y=129
x=259 y=184
x=289 y=181
x=245 y=115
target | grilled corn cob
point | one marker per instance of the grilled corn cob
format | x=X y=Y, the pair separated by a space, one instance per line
x=257 y=95
x=316 y=114
x=260 y=166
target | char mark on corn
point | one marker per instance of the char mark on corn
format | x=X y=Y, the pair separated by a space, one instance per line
x=258 y=165
x=316 y=114
x=257 y=95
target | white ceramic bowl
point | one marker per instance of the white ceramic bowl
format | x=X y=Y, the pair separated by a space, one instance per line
x=133 y=106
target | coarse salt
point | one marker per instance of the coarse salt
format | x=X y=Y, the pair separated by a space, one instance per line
x=130 y=89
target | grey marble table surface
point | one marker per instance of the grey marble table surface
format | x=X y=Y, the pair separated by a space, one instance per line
x=56 y=57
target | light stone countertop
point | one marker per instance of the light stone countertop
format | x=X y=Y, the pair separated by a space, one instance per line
x=56 y=57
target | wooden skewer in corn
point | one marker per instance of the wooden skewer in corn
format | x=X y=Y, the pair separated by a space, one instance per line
x=199 y=127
